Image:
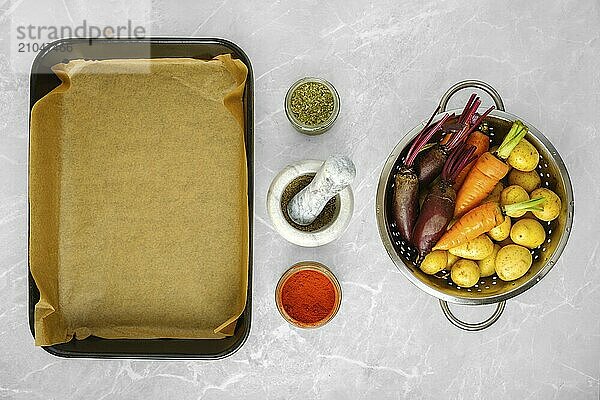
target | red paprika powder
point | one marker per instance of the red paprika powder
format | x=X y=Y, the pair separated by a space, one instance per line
x=308 y=296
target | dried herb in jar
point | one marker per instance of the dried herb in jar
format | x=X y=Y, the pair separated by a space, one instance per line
x=312 y=103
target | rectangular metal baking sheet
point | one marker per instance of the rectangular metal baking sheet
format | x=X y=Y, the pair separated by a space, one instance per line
x=42 y=81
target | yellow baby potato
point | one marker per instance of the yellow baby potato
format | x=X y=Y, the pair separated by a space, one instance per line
x=451 y=260
x=524 y=156
x=502 y=231
x=512 y=262
x=487 y=266
x=528 y=232
x=527 y=180
x=511 y=195
x=551 y=206
x=476 y=249
x=465 y=273
x=434 y=262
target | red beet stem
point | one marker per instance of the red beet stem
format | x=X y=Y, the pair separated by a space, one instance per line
x=467 y=127
x=417 y=142
x=467 y=107
x=460 y=157
x=422 y=138
x=465 y=117
x=457 y=138
x=472 y=110
x=462 y=135
x=479 y=120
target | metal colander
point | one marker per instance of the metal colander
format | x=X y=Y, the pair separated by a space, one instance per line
x=488 y=290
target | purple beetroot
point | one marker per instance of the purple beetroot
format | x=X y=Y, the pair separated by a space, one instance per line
x=438 y=207
x=405 y=204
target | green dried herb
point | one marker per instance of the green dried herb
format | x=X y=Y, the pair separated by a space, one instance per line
x=312 y=103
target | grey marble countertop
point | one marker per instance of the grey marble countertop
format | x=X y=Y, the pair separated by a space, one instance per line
x=390 y=61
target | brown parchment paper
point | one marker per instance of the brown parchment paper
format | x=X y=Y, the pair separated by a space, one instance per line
x=139 y=200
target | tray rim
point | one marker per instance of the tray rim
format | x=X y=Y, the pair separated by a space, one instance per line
x=249 y=139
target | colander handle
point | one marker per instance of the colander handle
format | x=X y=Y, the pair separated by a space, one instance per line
x=472 y=326
x=471 y=83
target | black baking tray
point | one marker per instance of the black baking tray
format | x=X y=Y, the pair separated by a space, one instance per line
x=42 y=81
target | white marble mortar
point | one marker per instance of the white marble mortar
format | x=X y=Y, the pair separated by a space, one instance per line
x=320 y=237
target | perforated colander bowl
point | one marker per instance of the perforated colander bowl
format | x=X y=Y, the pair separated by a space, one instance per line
x=490 y=290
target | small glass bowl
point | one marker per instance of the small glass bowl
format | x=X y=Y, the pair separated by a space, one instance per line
x=308 y=266
x=312 y=129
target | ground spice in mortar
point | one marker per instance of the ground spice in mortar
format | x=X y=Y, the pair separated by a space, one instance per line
x=308 y=296
x=323 y=219
x=312 y=103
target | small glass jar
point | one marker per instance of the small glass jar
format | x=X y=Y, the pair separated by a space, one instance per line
x=308 y=266
x=312 y=129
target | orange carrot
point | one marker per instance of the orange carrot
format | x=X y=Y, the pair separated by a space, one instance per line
x=479 y=183
x=480 y=220
x=482 y=144
x=474 y=223
x=487 y=172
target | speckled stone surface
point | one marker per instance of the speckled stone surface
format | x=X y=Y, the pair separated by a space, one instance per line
x=390 y=61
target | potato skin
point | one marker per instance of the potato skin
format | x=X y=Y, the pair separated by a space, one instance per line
x=487 y=266
x=528 y=232
x=465 y=273
x=434 y=262
x=551 y=206
x=527 y=180
x=512 y=262
x=476 y=249
x=452 y=259
x=524 y=156
x=502 y=231
x=511 y=195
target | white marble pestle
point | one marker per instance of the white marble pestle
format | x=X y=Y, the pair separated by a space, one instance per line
x=335 y=175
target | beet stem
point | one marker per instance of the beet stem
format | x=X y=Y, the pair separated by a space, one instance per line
x=414 y=150
x=466 y=117
x=416 y=145
x=460 y=157
x=467 y=107
x=479 y=120
x=467 y=156
x=472 y=111
x=461 y=135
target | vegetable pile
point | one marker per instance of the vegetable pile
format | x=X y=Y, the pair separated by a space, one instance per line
x=481 y=208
